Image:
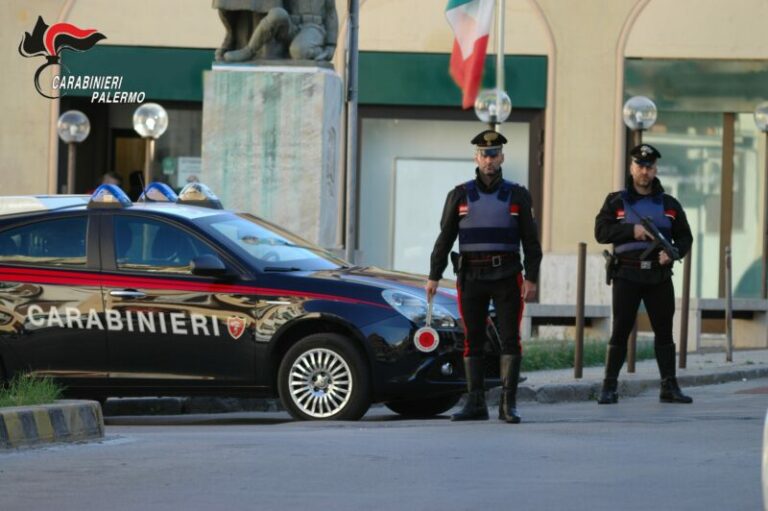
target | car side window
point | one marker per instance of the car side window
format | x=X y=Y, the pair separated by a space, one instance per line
x=143 y=244
x=59 y=242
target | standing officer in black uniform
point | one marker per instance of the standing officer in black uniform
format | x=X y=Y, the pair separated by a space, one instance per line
x=492 y=217
x=635 y=278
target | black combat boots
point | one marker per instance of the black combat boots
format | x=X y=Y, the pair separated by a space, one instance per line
x=670 y=390
x=608 y=394
x=614 y=359
x=671 y=393
x=475 y=407
x=510 y=374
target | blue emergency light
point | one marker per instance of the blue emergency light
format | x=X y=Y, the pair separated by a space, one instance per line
x=109 y=196
x=197 y=194
x=158 y=192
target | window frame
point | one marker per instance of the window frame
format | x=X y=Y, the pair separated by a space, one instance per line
x=109 y=259
x=92 y=257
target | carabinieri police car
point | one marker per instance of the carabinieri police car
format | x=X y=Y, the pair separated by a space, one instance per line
x=176 y=296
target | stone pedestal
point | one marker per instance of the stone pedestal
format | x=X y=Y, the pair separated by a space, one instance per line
x=271 y=145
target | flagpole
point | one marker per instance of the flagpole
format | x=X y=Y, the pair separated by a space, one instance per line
x=351 y=186
x=499 y=56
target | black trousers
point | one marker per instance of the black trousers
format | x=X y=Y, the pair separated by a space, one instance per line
x=659 y=300
x=474 y=299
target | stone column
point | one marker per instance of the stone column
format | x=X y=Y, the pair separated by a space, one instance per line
x=271 y=145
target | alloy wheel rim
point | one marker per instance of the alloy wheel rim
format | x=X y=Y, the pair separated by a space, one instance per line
x=320 y=383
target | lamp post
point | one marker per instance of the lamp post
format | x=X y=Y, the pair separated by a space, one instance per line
x=493 y=106
x=150 y=121
x=639 y=115
x=761 y=120
x=350 y=233
x=73 y=127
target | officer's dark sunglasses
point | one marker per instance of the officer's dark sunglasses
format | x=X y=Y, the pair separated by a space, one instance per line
x=492 y=153
x=646 y=164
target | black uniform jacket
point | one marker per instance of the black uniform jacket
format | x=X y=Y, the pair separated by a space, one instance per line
x=449 y=229
x=610 y=229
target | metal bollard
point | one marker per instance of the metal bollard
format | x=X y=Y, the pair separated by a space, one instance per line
x=685 y=305
x=728 y=307
x=765 y=464
x=578 y=355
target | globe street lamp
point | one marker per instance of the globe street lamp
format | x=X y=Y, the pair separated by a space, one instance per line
x=493 y=106
x=150 y=121
x=73 y=127
x=761 y=120
x=639 y=114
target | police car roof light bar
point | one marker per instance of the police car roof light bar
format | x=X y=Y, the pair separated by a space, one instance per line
x=109 y=196
x=158 y=192
x=198 y=194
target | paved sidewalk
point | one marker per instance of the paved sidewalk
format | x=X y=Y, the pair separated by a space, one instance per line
x=702 y=369
x=541 y=386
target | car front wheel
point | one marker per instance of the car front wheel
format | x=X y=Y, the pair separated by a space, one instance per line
x=324 y=377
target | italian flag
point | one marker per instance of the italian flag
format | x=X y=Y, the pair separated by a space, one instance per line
x=471 y=23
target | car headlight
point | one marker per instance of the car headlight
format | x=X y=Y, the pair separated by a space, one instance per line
x=415 y=308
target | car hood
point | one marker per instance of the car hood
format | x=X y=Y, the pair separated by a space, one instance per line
x=387 y=279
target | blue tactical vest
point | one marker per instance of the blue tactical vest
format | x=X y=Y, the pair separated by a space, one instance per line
x=488 y=221
x=647 y=206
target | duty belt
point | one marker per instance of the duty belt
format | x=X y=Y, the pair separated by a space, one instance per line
x=493 y=261
x=638 y=263
x=304 y=19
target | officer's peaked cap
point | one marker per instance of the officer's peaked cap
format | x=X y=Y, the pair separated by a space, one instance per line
x=645 y=154
x=489 y=139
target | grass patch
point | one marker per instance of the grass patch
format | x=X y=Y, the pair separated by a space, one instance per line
x=543 y=354
x=24 y=390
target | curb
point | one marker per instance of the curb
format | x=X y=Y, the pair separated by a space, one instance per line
x=545 y=394
x=62 y=421
x=587 y=391
x=188 y=405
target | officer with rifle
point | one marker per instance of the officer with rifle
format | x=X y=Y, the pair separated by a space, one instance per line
x=649 y=232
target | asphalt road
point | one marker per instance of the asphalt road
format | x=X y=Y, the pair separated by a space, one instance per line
x=638 y=455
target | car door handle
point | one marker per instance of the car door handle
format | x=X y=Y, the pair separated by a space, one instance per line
x=127 y=293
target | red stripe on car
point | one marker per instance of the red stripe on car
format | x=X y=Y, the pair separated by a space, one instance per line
x=78 y=278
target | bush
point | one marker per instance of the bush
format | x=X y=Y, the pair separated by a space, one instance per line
x=543 y=354
x=25 y=389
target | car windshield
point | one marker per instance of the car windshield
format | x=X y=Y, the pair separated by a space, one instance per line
x=271 y=248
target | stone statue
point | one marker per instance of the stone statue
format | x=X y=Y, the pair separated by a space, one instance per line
x=295 y=29
x=240 y=19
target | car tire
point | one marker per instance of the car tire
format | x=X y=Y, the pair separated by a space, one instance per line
x=428 y=407
x=324 y=377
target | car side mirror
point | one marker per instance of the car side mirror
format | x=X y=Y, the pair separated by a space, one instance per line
x=208 y=265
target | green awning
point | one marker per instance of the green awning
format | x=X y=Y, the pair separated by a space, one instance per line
x=698 y=85
x=386 y=78
x=164 y=74
x=422 y=79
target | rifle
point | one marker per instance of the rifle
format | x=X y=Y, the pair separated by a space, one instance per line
x=659 y=241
